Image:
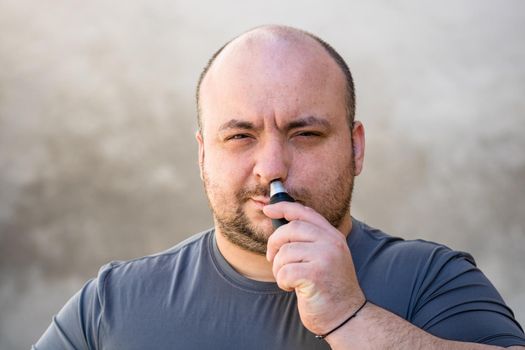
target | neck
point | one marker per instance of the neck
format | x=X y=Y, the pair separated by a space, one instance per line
x=255 y=266
x=249 y=264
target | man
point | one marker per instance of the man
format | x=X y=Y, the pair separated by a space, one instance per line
x=277 y=103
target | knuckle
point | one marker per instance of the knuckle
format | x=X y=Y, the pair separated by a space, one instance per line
x=283 y=273
x=283 y=277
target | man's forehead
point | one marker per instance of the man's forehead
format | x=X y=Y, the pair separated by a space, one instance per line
x=269 y=48
x=269 y=70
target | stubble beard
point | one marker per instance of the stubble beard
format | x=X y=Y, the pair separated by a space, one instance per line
x=333 y=204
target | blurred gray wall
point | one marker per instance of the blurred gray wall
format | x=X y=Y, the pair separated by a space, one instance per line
x=98 y=159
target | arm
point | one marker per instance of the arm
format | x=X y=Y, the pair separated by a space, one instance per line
x=312 y=258
x=377 y=328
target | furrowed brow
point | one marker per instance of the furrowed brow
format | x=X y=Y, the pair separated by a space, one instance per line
x=237 y=124
x=308 y=121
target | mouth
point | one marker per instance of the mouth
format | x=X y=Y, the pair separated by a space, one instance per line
x=260 y=201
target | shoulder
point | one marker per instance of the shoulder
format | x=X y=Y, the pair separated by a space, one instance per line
x=434 y=287
x=121 y=288
x=399 y=274
x=375 y=247
x=186 y=250
x=144 y=272
x=148 y=282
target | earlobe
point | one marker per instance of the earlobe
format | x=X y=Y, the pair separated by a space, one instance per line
x=200 y=141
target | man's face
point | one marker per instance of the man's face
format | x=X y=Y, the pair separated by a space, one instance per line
x=274 y=112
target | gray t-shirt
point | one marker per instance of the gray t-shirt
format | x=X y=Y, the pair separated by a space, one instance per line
x=189 y=297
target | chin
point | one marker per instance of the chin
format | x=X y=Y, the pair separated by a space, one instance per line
x=265 y=227
x=258 y=220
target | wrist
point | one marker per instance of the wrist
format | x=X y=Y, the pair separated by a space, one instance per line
x=348 y=319
x=352 y=332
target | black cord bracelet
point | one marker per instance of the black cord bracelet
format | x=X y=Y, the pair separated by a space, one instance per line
x=322 y=336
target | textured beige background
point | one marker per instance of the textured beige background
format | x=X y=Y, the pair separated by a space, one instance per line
x=98 y=161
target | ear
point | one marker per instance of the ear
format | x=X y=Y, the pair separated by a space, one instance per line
x=200 y=141
x=358 y=143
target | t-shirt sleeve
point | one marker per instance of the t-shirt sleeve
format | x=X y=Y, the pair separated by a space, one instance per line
x=457 y=301
x=76 y=324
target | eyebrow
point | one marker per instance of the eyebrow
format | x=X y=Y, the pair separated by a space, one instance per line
x=237 y=124
x=307 y=121
x=294 y=124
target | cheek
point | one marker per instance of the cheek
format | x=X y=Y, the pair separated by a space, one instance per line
x=320 y=169
x=223 y=169
x=316 y=164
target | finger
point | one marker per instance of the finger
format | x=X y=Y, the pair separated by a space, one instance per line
x=294 y=211
x=295 y=231
x=294 y=276
x=294 y=252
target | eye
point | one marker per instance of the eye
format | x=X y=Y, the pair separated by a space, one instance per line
x=308 y=134
x=237 y=137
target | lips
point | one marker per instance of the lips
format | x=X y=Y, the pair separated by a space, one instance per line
x=261 y=199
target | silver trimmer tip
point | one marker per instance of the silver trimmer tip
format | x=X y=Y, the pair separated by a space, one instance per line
x=276 y=186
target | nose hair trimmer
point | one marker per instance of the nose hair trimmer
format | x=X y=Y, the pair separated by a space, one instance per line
x=278 y=194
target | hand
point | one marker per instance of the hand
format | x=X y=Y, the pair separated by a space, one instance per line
x=311 y=257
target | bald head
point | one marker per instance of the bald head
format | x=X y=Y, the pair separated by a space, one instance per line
x=273 y=52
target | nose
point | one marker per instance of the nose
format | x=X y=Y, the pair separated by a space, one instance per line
x=272 y=161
